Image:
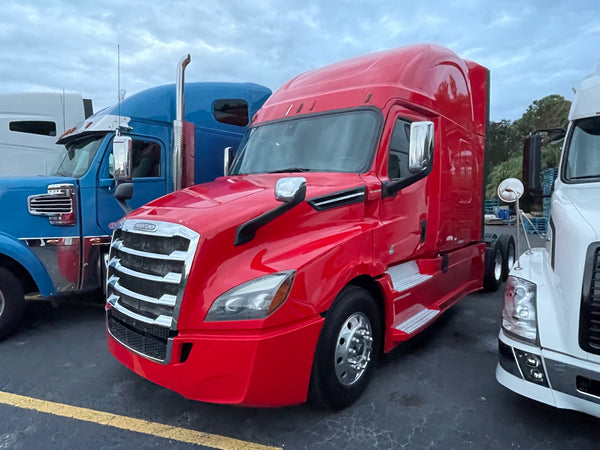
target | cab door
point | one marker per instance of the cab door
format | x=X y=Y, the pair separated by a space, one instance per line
x=404 y=212
x=149 y=180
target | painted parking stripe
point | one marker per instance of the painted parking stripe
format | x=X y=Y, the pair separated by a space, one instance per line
x=129 y=423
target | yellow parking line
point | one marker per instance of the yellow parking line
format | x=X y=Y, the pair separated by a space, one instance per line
x=129 y=423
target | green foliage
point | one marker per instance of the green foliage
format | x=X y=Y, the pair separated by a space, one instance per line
x=511 y=168
x=505 y=139
x=549 y=112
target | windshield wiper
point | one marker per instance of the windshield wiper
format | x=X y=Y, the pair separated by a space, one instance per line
x=290 y=170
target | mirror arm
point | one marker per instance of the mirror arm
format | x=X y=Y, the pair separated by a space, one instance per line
x=124 y=192
x=246 y=231
x=389 y=188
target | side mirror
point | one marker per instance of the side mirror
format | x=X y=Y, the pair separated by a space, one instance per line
x=510 y=190
x=292 y=189
x=122 y=154
x=227 y=160
x=124 y=192
x=421 y=146
x=532 y=160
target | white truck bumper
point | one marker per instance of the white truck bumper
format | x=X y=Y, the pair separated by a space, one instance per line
x=557 y=379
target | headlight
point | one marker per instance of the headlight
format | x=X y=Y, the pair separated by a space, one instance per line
x=255 y=299
x=519 y=316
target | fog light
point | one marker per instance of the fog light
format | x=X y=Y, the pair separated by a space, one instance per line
x=536 y=374
x=532 y=361
x=531 y=367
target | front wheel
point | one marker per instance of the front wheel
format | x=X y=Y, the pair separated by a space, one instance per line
x=346 y=350
x=12 y=302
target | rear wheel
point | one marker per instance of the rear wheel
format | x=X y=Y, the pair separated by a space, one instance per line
x=509 y=254
x=494 y=262
x=12 y=302
x=346 y=349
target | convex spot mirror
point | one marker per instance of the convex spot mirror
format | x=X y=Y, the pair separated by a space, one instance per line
x=420 y=150
x=510 y=190
x=122 y=151
x=291 y=188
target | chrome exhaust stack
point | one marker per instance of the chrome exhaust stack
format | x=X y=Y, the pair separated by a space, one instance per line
x=178 y=123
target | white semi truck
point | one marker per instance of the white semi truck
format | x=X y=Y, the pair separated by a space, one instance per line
x=549 y=344
x=30 y=124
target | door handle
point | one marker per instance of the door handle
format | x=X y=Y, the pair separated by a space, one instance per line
x=108 y=183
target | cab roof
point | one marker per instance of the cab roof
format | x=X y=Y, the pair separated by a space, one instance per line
x=158 y=103
x=427 y=76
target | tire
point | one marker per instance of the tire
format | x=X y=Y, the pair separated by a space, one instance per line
x=12 y=302
x=345 y=354
x=509 y=254
x=494 y=263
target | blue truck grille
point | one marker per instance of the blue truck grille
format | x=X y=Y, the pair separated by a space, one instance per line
x=147 y=271
x=589 y=326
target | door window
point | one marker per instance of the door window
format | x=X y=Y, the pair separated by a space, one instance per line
x=145 y=159
x=398 y=151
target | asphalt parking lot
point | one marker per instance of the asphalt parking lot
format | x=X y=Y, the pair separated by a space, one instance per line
x=60 y=388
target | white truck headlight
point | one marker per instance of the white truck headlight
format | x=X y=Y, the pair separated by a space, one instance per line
x=519 y=316
x=255 y=299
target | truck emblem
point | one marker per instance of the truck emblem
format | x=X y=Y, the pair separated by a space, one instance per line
x=145 y=226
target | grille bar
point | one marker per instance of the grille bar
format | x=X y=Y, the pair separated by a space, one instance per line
x=162 y=321
x=176 y=255
x=171 y=277
x=589 y=329
x=166 y=300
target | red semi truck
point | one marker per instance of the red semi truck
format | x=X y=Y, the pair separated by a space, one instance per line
x=350 y=219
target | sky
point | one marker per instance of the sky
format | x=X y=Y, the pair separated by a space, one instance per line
x=532 y=48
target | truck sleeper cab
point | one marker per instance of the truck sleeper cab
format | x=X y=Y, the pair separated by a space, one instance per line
x=549 y=344
x=349 y=220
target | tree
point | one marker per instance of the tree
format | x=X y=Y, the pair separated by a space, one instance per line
x=549 y=112
x=505 y=139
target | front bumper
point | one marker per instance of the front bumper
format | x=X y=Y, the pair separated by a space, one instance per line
x=254 y=368
x=566 y=382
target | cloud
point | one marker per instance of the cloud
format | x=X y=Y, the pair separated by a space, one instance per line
x=532 y=50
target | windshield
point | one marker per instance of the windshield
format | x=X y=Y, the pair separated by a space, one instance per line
x=78 y=156
x=583 y=152
x=334 y=142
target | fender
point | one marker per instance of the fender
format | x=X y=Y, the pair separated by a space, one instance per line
x=342 y=255
x=16 y=250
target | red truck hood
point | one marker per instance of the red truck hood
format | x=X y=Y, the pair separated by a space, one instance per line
x=231 y=201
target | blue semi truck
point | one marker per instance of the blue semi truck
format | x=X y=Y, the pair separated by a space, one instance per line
x=55 y=230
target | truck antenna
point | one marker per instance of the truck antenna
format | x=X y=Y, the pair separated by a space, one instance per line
x=118 y=87
x=64 y=111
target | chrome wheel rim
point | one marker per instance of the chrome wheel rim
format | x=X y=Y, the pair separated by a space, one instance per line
x=353 y=349
x=2 y=302
x=498 y=265
x=511 y=257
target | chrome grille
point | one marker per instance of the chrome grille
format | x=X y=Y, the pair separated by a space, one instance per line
x=58 y=200
x=147 y=271
x=589 y=326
